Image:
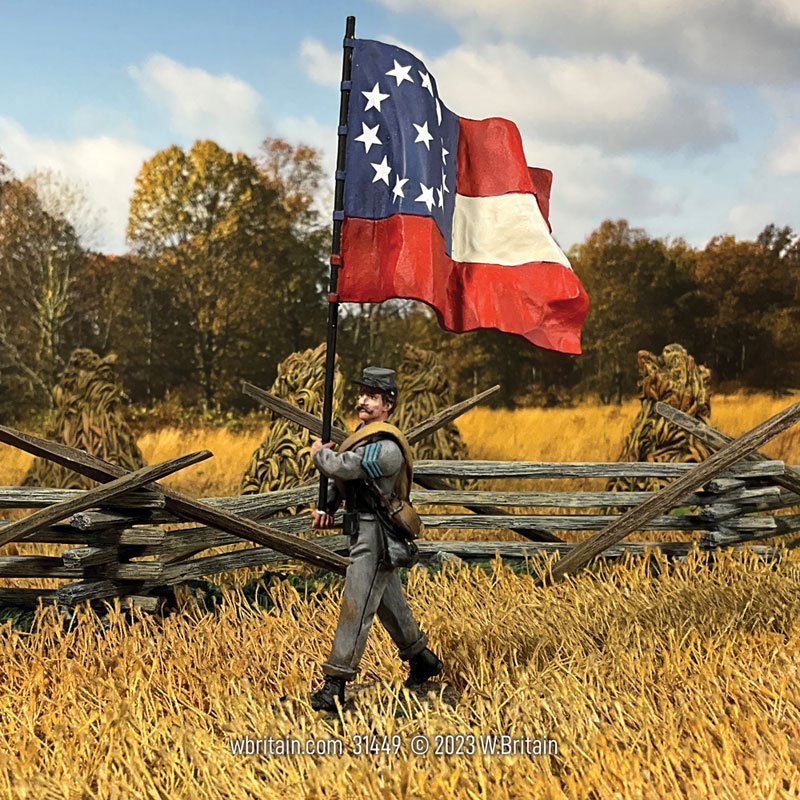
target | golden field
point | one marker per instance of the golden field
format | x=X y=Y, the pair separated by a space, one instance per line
x=589 y=432
x=654 y=680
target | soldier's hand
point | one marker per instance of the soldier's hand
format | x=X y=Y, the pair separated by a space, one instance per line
x=321 y=519
x=317 y=445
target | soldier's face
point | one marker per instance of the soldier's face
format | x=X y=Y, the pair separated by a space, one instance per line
x=370 y=405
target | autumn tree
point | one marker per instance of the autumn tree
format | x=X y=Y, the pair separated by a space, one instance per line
x=782 y=321
x=221 y=239
x=294 y=173
x=638 y=291
x=301 y=244
x=749 y=291
x=41 y=265
x=150 y=333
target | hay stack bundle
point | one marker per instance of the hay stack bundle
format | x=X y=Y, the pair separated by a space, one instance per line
x=283 y=459
x=424 y=389
x=673 y=378
x=88 y=416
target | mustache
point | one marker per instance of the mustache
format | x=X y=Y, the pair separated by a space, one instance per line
x=362 y=407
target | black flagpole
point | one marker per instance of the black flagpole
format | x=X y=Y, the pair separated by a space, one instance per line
x=336 y=259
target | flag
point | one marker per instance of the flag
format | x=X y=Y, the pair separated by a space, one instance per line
x=445 y=210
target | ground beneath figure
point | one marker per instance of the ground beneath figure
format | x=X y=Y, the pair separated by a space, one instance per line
x=376 y=691
x=389 y=698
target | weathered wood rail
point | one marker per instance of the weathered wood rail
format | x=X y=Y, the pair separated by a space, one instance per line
x=122 y=549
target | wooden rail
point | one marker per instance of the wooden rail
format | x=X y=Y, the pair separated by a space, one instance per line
x=123 y=550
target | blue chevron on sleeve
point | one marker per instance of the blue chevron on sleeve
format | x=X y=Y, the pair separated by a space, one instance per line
x=370 y=460
x=374 y=469
x=365 y=461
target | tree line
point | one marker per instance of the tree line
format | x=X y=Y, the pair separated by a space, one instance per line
x=226 y=274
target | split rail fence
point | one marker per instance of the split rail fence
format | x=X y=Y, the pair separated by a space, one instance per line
x=120 y=547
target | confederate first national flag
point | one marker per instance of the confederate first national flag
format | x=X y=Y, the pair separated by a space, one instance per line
x=445 y=210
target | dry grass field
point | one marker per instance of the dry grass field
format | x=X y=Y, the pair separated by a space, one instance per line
x=652 y=680
x=589 y=432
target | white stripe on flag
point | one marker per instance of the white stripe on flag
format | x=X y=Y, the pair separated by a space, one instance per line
x=504 y=229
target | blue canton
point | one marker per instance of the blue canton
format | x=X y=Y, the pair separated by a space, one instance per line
x=401 y=142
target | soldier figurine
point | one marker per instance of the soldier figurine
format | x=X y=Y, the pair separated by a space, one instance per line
x=376 y=458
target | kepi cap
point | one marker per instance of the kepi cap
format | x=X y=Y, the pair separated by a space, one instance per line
x=379 y=378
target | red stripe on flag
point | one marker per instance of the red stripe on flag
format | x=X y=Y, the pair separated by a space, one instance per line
x=491 y=160
x=542 y=180
x=403 y=256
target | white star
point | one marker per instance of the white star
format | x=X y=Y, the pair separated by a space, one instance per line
x=374 y=98
x=369 y=136
x=441 y=198
x=438 y=111
x=398 y=187
x=444 y=185
x=445 y=153
x=426 y=196
x=426 y=81
x=400 y=74
x=382 y=171
x=423 y=135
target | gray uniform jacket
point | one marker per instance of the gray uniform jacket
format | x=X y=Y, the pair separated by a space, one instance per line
x=371 y=584
x=381 y=461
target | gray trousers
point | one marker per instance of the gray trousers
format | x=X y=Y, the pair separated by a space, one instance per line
x=368 y=589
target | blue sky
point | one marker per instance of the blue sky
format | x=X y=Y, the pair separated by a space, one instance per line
x=682 y=117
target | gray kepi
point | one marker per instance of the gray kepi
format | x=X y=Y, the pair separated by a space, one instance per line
x=381 y=379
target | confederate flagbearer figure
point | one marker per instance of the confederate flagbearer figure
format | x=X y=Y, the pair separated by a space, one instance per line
x=371 y=471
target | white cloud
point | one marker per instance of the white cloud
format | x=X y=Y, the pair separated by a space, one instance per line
x=785 y=10
x=784 y=155
x=201 y=105
x=747 y=220
x=614 y=103
x=307 y=130
x=105 y=167
x=576 y=116
x=413 y=49
x=323 y=139
x=323 y=66
x=590 y=186
x=735 y=39
x=785 y=160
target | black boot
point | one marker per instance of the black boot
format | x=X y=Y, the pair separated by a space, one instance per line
x=325 y=698
x=424 y=665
